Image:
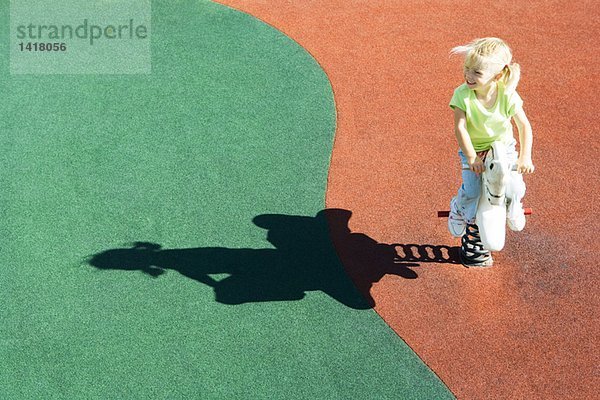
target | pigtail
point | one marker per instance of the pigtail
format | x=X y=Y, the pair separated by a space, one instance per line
x=511 y=76
x=461 y=50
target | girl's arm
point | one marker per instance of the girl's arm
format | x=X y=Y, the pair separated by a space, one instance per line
x=464 y=141
x=524 y=165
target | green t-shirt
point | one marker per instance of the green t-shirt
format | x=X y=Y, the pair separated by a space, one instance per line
x=484 y=125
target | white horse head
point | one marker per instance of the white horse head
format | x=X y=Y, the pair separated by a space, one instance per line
x=496 y=174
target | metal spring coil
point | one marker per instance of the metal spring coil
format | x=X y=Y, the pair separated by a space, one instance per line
x=471 y=249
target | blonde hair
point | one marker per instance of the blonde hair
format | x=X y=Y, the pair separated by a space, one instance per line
x=491 y=53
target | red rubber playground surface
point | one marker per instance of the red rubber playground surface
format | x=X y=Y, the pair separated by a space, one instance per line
x=526 y=328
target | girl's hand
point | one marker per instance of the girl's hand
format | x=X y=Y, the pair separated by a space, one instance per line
x=525 y=165
x=476 y=165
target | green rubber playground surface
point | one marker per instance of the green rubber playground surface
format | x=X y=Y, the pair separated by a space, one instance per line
x=162 y=235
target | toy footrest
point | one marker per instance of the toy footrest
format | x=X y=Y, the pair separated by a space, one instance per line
x=445 y=214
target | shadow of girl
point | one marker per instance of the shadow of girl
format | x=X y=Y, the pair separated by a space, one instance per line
x=303 y=259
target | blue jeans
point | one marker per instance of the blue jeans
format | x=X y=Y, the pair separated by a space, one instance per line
x=467 y=198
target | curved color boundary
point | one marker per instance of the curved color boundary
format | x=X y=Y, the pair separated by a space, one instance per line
x=525 y=328
x=163 y=235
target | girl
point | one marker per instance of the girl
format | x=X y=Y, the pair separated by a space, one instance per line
x=483 y=108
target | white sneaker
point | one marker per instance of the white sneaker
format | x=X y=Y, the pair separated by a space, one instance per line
x=515 y=216
x=456 y=223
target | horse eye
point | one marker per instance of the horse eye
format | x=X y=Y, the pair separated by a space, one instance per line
x=492 y=166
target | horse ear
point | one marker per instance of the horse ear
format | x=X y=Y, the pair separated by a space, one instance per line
x=153 y=271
